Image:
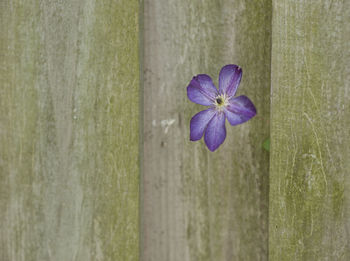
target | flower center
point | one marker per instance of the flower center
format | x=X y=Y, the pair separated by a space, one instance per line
x=221 y=102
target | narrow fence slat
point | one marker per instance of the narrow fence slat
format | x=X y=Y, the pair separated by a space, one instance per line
x=199 y=205
x=310 y=143
x=69 y=120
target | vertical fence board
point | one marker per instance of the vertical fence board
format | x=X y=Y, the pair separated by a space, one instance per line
x=310 y=195
x=199 y=205
x=69 y=130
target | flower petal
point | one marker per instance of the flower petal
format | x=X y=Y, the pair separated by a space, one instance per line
x=202 y=90
x=215 y=132
x=199 y=122
x=229 y=79
x=240 y=110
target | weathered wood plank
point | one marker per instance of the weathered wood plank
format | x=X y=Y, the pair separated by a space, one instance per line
x=69 y=125
x=199 y=205
x=310 y=143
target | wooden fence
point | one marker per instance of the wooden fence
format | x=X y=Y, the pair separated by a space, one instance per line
x=95 y=157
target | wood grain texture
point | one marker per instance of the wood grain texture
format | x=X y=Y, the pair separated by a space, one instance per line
x=310 y=143
x=69 y=123
x=199 y=205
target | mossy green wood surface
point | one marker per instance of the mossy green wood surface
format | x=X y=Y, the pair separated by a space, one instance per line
x=310 y=143
x=69 y=130
x=199 y=205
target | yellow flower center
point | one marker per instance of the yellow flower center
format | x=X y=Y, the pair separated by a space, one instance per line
x=221 y=101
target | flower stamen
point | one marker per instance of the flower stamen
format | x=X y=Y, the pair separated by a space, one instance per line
x=221 y=101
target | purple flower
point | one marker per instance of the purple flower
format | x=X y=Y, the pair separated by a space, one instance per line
x=223 y=104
